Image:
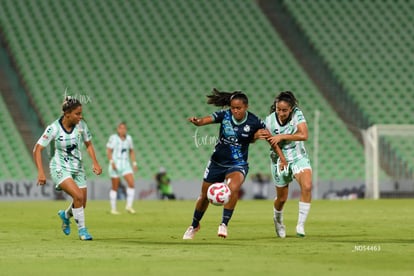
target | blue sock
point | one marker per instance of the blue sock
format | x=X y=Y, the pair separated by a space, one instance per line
x=198 y=215
x=227 y=213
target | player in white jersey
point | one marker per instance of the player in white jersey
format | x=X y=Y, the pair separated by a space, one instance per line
x=289 y=130
x=120 y=151
x=66 y=135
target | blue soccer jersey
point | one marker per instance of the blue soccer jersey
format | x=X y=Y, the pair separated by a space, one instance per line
x=232 y=146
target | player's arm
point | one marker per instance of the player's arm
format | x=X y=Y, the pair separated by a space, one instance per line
x=37 y=156
x=109 y=155
x=278 y=150
x=91 y=151
x=133 y=159
x=201 y=121
x=300 y=135
x=261 y=134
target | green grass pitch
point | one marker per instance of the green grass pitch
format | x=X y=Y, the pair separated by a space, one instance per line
x=361 y=237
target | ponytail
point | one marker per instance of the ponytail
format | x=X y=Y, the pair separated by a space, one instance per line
x=219 y=98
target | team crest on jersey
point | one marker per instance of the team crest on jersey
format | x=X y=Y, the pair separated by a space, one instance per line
x=59 y=173
x=246 y=128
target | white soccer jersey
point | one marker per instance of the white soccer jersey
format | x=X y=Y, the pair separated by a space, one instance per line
x=67 y=145
x=120 y=149
x=293 y=150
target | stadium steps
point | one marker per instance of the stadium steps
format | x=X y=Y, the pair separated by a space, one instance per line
x=18 y=124
x=341 y=38
x=15 y=111
x=16 y=161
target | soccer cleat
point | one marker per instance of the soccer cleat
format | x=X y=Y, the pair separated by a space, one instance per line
x=84 y=235
x=65 y=222
x=130 y=210
x=222 y=230
x=190 y=233
x=300 y=231
x=115 y=212
x=280 y=229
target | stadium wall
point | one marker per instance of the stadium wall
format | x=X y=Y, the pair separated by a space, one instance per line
x=21 y=190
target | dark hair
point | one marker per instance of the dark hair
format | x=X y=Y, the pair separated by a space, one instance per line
x=286 y=96
x=70 y=104
x=219 y=98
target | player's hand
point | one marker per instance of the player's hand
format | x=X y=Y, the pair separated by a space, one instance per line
x=196 y=121
x=97 y=169
x=262 y=134
x=283 y=164
x=113 y=166
x=41 y=179
x=135 y=167
x=274 y=140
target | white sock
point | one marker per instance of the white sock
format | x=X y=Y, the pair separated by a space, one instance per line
x=112 y=199
x=278 y=215
x=130 y=197
x=68 y=211
x=79 y=215
x=303 y=212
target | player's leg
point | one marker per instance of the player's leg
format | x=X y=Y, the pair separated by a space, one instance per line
x=304 y=178
x=212 y=174
x=282 y=193
x=115 y=176
x=281 y=182
x=78 y=195
x=199 y=210
x=58 y=176
x=113 y=194
x=130 y=192
x=234 y=180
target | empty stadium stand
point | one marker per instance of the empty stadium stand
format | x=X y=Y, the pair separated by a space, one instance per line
x=367 y=45
x=151 y=63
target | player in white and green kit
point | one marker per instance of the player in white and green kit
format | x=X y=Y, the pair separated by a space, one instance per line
x=67 y=135
x=120 y=152
x=289 y=130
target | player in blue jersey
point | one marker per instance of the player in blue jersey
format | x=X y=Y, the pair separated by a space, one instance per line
x=120 y=152
x=228 y=163
x=289 y=130
x=67 y=135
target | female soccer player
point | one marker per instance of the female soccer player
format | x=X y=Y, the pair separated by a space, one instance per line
x=228 y=163
x=289 y=129
x=120 y=150
x=66 y=167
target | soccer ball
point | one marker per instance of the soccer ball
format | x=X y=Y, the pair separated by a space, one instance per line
x=218 y=194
